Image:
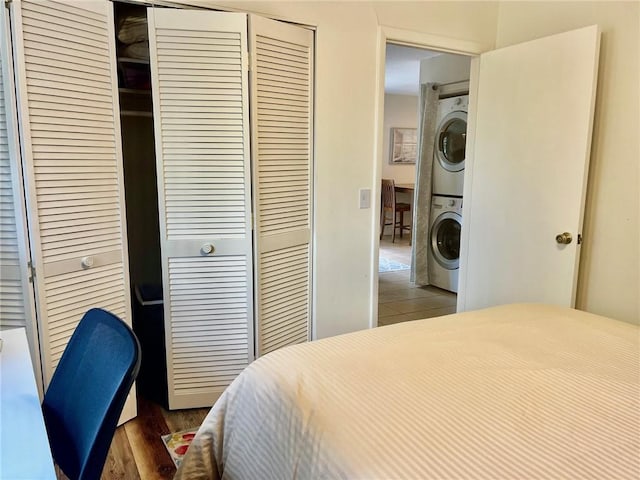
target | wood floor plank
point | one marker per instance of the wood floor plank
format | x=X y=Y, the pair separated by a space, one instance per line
x=120 y=463
x=151 y=456
x=178 y=420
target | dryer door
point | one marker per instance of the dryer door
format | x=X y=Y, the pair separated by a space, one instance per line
x=451 y=138
x=445 y=240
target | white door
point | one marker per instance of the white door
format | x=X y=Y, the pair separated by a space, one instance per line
x=200 y=102
x=16 y=292
x=70 y=139
x=526 y=178
x=281 y=127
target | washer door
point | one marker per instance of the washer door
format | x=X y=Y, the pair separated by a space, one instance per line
x=445 y=240
x=451 y=141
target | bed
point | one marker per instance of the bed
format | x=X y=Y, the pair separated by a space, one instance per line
x=516 y=391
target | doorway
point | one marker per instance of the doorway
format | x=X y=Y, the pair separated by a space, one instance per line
x=503 y=237
x=399 y=297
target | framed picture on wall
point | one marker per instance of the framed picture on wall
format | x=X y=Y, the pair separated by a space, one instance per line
x=404 y=145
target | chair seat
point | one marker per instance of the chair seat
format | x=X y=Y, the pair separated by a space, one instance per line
x=400 y=207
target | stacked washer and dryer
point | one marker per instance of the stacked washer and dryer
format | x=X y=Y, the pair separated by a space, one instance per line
x=446 y=204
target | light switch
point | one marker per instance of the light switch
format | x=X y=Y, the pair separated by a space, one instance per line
x=365 y=198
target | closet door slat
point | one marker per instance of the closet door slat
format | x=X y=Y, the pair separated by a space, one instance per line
x=73 y=166
x=199 y=78
x=282 y=106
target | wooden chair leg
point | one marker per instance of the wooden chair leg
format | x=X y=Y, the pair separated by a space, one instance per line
x=401 y=222
x=393 y=225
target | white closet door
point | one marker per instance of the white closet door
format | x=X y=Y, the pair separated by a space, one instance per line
x=199 y=79
x=281 y=102
x=16 y=292
x=73 y=164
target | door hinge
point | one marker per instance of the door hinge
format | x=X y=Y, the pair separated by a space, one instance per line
x=32 y=272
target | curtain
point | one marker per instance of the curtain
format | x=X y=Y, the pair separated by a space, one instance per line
x=429 y=94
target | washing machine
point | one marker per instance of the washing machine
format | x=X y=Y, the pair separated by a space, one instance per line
x=450 y=145
x=444 y=242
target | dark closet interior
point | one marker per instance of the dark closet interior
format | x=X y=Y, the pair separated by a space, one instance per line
x=141 y=195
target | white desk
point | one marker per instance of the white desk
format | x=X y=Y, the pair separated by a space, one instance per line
x=24 y=446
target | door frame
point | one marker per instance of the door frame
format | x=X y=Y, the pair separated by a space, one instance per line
x=411 y=38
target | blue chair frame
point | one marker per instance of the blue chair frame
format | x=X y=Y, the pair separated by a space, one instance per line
x=87 y=393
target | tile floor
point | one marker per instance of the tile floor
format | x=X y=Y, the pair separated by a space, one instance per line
x=398 y=299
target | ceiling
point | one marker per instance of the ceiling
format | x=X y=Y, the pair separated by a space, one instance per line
x=402 y=69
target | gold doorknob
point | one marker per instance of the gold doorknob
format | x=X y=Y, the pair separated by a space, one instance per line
x=564 y=238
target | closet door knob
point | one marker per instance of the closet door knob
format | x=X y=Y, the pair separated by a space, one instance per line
x=87 y=262
x=207 y=248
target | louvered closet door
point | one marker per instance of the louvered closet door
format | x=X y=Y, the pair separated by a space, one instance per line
x=198 y=65
x=281 y=102
x=16 y=294
x=73 y=160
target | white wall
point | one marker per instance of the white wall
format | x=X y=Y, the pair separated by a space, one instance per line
x=610 y=264
x=445 y=68
x=400 y=111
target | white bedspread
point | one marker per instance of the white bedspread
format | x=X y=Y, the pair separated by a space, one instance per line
x=512 y=392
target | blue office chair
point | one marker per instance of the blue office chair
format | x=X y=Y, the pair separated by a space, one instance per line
x=87 y=393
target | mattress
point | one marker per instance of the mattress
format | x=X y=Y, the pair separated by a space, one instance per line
x=517 y=391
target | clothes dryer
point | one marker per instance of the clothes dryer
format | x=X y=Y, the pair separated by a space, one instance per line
x=444 y=242
x=450 y=146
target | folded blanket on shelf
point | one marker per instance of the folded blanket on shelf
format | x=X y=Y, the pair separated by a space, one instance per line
x=133 y=29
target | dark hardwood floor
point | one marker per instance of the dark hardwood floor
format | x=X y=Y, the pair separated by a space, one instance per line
x=137 y=451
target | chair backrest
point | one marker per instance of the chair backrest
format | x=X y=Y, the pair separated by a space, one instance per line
x=87 y=393
x=388 y=194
